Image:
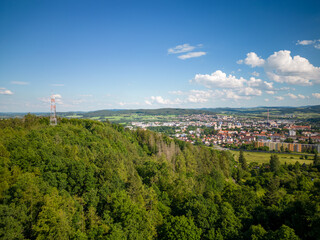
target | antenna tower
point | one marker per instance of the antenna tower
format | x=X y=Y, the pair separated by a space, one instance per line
x=268 y=117
x=53 y=116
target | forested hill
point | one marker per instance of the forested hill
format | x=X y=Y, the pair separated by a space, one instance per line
x=85 y=179
x=302 y=112
x=181 y=111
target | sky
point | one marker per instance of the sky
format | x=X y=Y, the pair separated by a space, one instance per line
x=93 y=55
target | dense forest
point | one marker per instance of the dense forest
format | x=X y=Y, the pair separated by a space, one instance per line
x=85 y=179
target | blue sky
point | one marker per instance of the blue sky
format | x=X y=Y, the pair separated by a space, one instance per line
x=150 y=54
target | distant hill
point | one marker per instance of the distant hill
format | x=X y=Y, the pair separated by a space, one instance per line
x=161 y=111
x=181 y=111
x=281 y=110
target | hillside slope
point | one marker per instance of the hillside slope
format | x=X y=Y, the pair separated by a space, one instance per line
x=85 y=179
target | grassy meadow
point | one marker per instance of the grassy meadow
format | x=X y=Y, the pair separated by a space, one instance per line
x=264 y=157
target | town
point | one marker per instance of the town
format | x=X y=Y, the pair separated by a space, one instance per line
x=238 y=132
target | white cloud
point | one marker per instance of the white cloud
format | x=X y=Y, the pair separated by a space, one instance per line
x=4 y=91
x=292 y=96
x=232 y=95
x=255 y=82
x=305 y=42
x=219 y=79
x=192 y=55
x=285 y=89
x=281 y=67
x=240 y=61
x=315 y=43
x=256 y=74
x=301 y=96
x=199 y=96
x=266 y=99
x=279 y=98
x=47 y=100
x=186 y=48
x=248 y=91
x=181 y=48
x=56 y=96
x=270 y=92
x=203 y=96
x=19 y=83
x=253 y=60
x=316 y=95
x=161 y=100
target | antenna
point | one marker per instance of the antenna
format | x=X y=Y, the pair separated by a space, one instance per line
x=53 y=117
x=268 y=117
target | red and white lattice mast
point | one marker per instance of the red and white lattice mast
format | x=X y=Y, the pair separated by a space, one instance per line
x=53 y=116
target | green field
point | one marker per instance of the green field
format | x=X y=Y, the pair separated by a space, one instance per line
x=126 y=118
x=74 y=116
x=261 y=157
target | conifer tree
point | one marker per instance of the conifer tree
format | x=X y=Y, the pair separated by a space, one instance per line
x=316 y=159
x=274 y=163
x=242 y=161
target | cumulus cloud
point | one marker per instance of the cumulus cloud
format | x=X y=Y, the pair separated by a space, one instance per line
x=161 y=100
x=199 y=96
x=253 y=60
x=316 y=95
x=229 y=94
x=219 y=79
x=4 y=91
x=203 y=96
x=181 y=49
x=248 y=91
x=270 y=92
x=266 y=99
x=283 y=68
x=279 y=98
x=19 y=83
x=255 y=82
x=192 y=55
